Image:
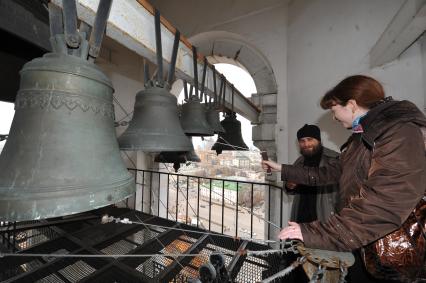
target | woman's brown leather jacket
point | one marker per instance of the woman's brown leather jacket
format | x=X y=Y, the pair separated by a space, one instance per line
x=381 y=174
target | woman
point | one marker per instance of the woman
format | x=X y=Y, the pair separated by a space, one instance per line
x=381 y=173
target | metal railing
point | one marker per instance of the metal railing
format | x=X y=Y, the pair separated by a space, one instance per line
x=228 y=206
x=233 y=207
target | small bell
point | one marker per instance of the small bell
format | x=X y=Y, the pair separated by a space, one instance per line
x=232 y=138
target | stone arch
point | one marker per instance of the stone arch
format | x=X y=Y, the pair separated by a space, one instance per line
x=241 y=53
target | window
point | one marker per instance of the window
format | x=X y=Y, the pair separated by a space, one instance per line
x=6 y=116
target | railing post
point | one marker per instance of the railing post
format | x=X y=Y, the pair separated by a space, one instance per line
x=143 y=188
x=269 y=212
x=136 y=184
x=223 y=203
x=150 y=194
x=210 y=205
x=281 y=208
x=159 y=191
x=187 y=199
x=198 y=202
x=251 y=214
x=177 y=197
x=14 y=237
x=236 y=218
x=168 y=187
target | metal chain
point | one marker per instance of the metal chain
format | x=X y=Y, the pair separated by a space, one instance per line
x=343 y=273
x=318 y=274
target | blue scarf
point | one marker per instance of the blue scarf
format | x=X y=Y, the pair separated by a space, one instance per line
x=356 y=124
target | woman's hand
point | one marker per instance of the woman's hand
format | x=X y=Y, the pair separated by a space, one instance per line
x=271 y=164
x=291 y=232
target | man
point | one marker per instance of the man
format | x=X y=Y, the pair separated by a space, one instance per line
x=319 y=202
x=310 y=203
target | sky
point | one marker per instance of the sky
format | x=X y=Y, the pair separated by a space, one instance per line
x=245 y=84
x=6 y=116
x=236 y=75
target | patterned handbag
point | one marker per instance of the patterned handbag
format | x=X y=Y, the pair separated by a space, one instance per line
x=400 y=255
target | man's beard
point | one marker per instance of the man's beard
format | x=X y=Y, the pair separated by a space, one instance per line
x=315 y=150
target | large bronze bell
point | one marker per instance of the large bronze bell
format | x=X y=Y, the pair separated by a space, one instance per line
x=232 y=138
x=155 y=124
x=61 y=156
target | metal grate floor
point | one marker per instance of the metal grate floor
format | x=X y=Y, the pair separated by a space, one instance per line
x=84 y=234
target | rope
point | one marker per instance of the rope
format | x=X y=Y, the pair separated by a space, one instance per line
x=164 y=247
x=107 y=219
x=174 y=255
x=121 y=107
x=285 y=271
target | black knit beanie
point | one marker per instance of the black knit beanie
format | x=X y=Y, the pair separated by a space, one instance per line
x=311 y=131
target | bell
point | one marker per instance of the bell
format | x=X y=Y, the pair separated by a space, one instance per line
x=61 y=156
x=213 y=119
x=171 y=157
x=155 y=124
x=232 y=138
x=177 y=157
x=193 y=119
x=213 y=107
x=193 y=114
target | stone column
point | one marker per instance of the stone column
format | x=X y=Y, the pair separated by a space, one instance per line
x=264 y=138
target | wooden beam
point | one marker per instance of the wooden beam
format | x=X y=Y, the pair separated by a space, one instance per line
x=131 y=23
x=404 y=29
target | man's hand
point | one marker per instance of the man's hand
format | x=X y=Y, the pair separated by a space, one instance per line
x=273 y=165
x=291 y=232
x=290 y=185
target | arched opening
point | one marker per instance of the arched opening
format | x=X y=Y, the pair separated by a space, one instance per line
x=6 y=116
x=244 y=165
x=236 y=50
